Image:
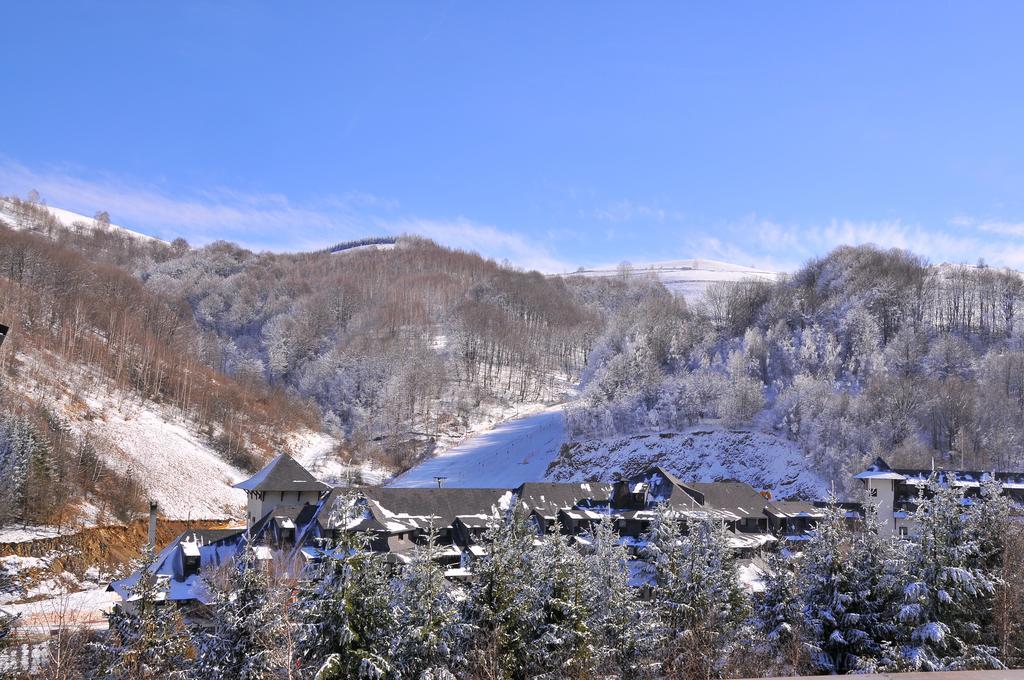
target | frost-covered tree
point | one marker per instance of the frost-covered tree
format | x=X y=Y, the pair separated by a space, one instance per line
x=626 y=624
x=777 y=619
x=947 y=598
x=880 y=574
x=428 y=640
x=146 y=637
x=698 y=597
x=742 y=395
x=22 y=452
x=248 y=625
x=568 y=641
x=344 y=613
x=504 y=603
x=829 y=591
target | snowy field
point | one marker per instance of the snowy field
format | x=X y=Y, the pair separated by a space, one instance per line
x=511 y=453
x=688 y=278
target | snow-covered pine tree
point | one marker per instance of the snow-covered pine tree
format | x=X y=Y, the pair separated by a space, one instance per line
x=248 y=625
x=428 y=641
x=344 y=612
x=989 y=524
x=698 y=595
x=777 y=620
x=566 y=646
x=146 y=637
x=880 y=564
x=504 y=603
x=18 y=443
x=627 y=627
x=828 y=588
x=945 y=601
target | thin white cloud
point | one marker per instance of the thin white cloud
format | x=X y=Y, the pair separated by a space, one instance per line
x=631 y=211
x=263 y=221
x=764 y=243
x=484 y=238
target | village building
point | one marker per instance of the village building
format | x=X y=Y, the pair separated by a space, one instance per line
x=294 y=518
x=896 y=492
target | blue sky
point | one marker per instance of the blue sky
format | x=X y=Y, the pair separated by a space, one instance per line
x=550 y=134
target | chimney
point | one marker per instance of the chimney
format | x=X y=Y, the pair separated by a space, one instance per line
x=152 y=525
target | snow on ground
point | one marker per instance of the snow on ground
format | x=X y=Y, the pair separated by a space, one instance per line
x=25 y=533
x=73 y=220
x=700 y=454
x=179 y=471
x=689 y=278
x=317 y=452
x=527 y=449
x=511 y=453
x=84 y=608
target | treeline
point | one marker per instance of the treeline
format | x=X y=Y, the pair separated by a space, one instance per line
x=391 y=344
x=543 y=606
x=360 y=242
x=860 y=353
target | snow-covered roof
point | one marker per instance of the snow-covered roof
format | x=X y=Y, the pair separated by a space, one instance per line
x=282 y=474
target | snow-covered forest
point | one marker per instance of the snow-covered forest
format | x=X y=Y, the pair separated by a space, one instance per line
x=861 y=352
x=670 y=605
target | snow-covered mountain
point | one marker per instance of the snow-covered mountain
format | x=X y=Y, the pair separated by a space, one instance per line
x=68 y=219
x=689 y=278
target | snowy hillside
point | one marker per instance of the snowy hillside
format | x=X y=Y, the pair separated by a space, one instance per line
x=164 y=453
x=689 y=278
x=704 y=454
x=69 y=219
x=528 y=449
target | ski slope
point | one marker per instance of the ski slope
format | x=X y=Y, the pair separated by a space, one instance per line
x=511 y=453
x=688 y=278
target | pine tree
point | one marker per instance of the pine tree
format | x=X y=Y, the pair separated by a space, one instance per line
x=828 y=587
x=146 y=636
x=625 y=624
x=504 y=603
x=698 y=595
x=343 y=612
x=567 y=641
x=18 y=445
x=989 y=524
x=945 y=602
x=777 y=620
x=245 y=638
x=428 y=635
x=880 y=573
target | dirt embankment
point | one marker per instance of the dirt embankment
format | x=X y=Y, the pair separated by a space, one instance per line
x=110 y=546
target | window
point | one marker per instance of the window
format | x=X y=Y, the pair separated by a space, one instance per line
x=191 y=564
x=903 y=532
